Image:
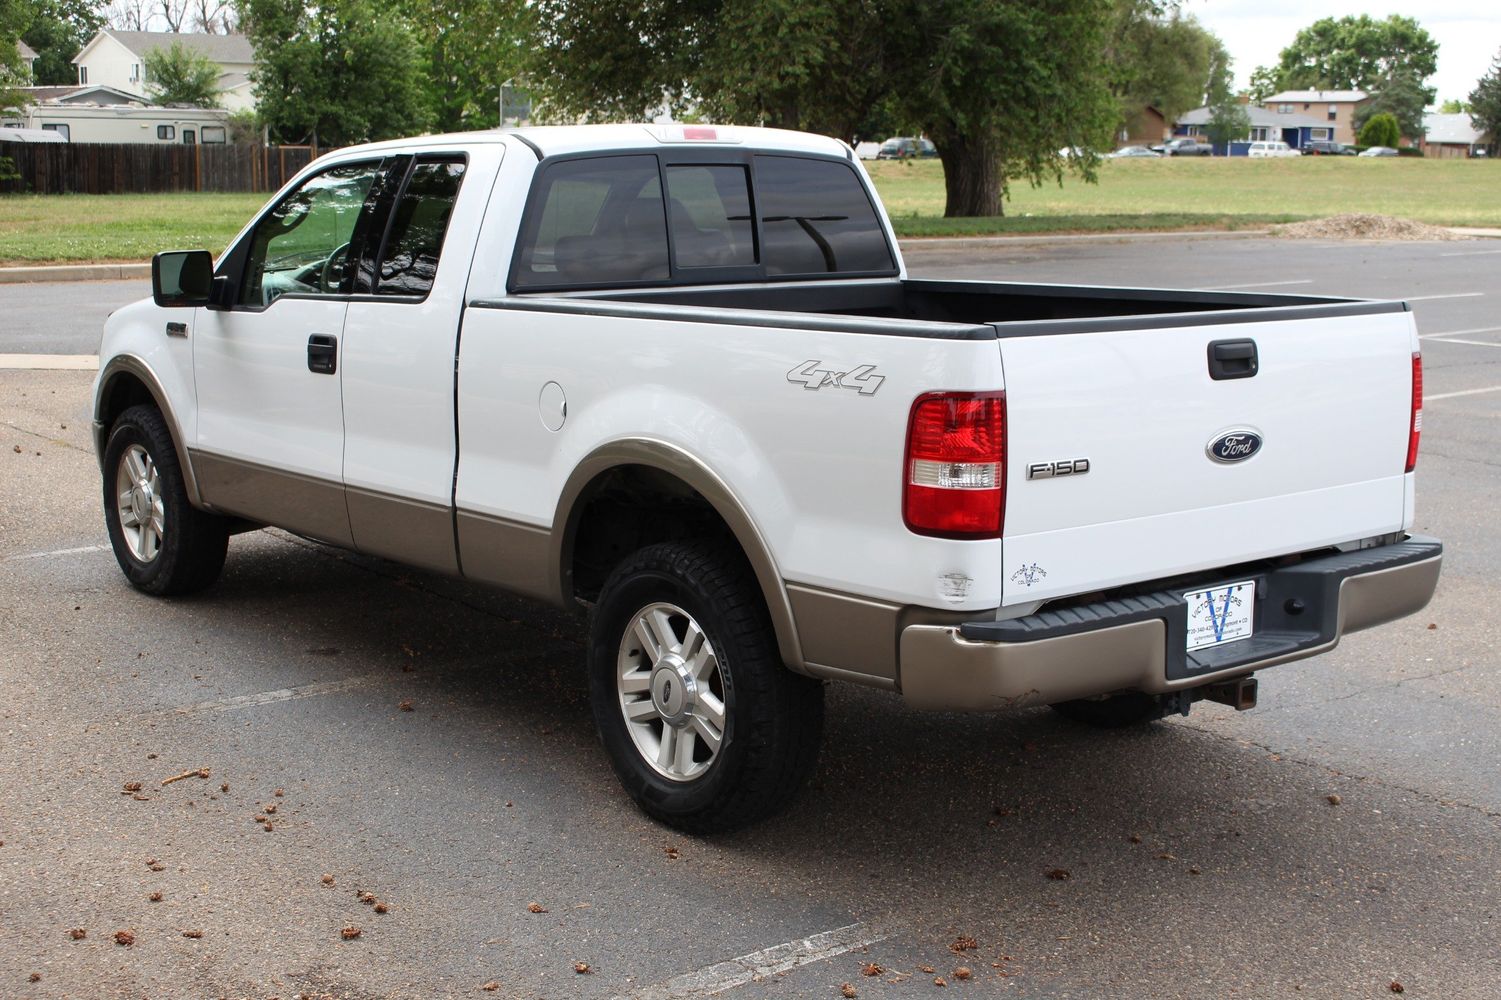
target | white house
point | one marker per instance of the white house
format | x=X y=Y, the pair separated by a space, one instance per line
x=28 y=62
x=118 y=59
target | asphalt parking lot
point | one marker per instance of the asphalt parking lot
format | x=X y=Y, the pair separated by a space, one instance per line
x=1198 y=857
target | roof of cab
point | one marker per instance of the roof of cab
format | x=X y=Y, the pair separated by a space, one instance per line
x=560 y=139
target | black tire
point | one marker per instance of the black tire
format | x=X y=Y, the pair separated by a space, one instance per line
x=1116 y=711
x=192 y=543
x=772 y=718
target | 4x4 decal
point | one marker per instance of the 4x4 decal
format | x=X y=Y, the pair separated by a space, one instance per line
x=812 y=375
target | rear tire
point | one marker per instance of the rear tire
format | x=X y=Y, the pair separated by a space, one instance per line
x=705 y=726
x=1117 y=711
x=162 y=542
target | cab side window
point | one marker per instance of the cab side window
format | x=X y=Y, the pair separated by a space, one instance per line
x=302 y=246
x=414 y=241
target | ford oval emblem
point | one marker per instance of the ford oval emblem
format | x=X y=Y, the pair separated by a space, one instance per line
x=1234 y=446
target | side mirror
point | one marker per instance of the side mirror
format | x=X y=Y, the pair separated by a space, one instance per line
x=182 y=277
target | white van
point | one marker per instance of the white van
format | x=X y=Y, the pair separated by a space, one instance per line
x=1260 y=149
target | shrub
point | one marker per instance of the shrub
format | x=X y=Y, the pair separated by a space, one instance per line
x=1381 y=130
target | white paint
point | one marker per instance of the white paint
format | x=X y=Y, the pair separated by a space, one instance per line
x=715 y=979
x=1471 y=253
x=261 y=698
x=50 y=362
x=1256 y=284
x=1464 y=392
x=1460 y=340
x=1455 y=295
x=1460 y=333
x=55 y=552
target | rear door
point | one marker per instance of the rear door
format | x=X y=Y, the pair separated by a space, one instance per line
x=1186 y=468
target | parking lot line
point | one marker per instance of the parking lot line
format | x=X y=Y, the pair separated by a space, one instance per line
x=1459 y=333
x=1460 y=340
x=1255 y=284
x=257 y=699
x=718 y=978
x=1470 y=253
x=49 y=362
x=1462 y=392
x=55 y=552
x=1451 y=295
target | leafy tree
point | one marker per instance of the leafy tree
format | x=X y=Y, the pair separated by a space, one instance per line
x=1159 y=58
x=178 y=75
x=1453 y=107
x=1265 y=81
x=1404 y=99
x=1381 y=130
x=58 y=30
x=1485 y=105
x=1229 y=121
x=342 y=72
x=14 y=16
x=469 y=50
x=1358 y=53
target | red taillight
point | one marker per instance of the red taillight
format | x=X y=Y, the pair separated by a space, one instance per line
x=1415 y=430
x=954 y=475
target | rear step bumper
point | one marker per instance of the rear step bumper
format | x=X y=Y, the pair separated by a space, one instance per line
x=1138 y=643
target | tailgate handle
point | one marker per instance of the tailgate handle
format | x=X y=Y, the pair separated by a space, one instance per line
x=1232 y=359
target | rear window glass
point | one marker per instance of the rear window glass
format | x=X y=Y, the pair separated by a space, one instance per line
x=708 y=208
x=602 y=220
x=816 y=218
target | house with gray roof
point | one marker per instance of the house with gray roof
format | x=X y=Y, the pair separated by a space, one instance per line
x=1335 y=109
x=117 y=59
x=1452 y=137
x=1267 y=125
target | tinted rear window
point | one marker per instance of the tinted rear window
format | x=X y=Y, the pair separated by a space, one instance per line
x=602 y=220
x=817 y=219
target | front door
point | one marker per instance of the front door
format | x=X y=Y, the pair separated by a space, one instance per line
x=269 y=443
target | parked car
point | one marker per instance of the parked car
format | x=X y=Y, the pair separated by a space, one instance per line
x=1127 y=152
x=759 y=452
x=1379 y=151
x=904 y=148
x=1261 y=150
x=1184 y=147
x=1325 y=147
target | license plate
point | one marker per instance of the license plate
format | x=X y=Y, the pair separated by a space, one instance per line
x=1220 y=614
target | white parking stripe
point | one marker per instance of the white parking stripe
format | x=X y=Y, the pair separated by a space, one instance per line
x=50 y=362
x=55 y=552
x=1460 y=340
x=1425 y=298
x=1254 y=284
x=1460 y=333
x=1465 y=392
x=716 y=979
x=1470 y=253
x=260 y=698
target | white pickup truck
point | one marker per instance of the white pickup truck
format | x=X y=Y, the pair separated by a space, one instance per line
x=678 y=375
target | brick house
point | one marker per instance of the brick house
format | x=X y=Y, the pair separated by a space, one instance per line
x=1333 y=109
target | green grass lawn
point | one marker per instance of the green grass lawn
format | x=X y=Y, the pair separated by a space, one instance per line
x=1165 y=194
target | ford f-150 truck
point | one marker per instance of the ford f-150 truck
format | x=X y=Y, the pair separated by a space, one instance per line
x=679 y=376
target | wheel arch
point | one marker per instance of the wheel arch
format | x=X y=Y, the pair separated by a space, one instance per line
x=598 y=469
x=128 y=381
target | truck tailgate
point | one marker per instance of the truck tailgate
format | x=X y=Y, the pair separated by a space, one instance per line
x=1330 y=400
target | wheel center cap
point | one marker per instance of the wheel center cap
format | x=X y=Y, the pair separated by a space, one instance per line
x=140 y=503
x=674 y=692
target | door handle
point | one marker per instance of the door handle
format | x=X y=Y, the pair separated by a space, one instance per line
x=323 y=354
x=1232 y=359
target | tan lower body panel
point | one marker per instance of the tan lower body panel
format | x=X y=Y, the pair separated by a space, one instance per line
x=301 y=504
x=856 y=638
x=509 y=554
x=408 y=531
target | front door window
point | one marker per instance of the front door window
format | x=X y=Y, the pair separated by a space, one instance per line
x=302 y=245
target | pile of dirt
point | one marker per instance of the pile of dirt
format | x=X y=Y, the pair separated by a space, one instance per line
x=1362 y=226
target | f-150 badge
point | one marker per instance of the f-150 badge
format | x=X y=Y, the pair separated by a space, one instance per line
x=813 y=375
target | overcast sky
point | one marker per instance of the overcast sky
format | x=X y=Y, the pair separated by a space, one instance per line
x=1468 y=32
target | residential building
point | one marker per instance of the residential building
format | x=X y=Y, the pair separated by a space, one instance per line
x=104 y=114
x=118 y=59
x=1334 y=109
x=1452 y=137
x=28 y=62
x=1144 y=127
x=1267 y=125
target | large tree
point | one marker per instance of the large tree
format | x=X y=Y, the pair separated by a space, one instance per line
x=1358 y=53
x=469 y=50
x=1404 y=99
x=998 y=85
x=342 y=72
x=1485 y=106
x=176 y=74
x=58 y=30
x=1160 y=58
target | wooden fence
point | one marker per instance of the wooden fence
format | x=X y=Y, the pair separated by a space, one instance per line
x=99 y=168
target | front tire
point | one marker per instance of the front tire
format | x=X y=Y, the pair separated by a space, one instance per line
x=162 y=542
x=706 y=728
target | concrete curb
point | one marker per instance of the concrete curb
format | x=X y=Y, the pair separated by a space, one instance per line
x=75 y=272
